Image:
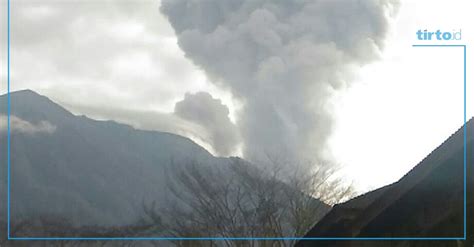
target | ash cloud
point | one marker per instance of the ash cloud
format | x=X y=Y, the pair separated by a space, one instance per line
x=213 y=117
x=282 y=60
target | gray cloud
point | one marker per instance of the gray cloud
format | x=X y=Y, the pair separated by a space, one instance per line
x=104 y=51
x=283 y=60
x=18 y=125
x=201 y=108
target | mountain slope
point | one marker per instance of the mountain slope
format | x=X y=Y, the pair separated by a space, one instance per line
x=74 y=176
x=92 y=172
x=426 y=202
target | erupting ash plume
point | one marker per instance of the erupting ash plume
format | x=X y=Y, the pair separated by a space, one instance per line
x=212 y=117
x=282 y=60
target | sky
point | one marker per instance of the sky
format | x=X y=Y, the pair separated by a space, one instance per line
x=382 y=114
x=409 y=102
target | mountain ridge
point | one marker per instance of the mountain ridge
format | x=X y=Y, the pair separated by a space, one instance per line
x=97 y=172
x=58 y=108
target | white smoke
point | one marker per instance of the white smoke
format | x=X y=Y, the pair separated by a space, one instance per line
x=283 y=60
x=18 y=125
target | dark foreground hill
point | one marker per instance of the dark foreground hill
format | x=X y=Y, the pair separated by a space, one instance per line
x=427 y=202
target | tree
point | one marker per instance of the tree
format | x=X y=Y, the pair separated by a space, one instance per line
x=240 y=200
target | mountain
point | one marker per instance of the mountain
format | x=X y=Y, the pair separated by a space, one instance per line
x=426 y=202
x=75 y=176
x=91 y=172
